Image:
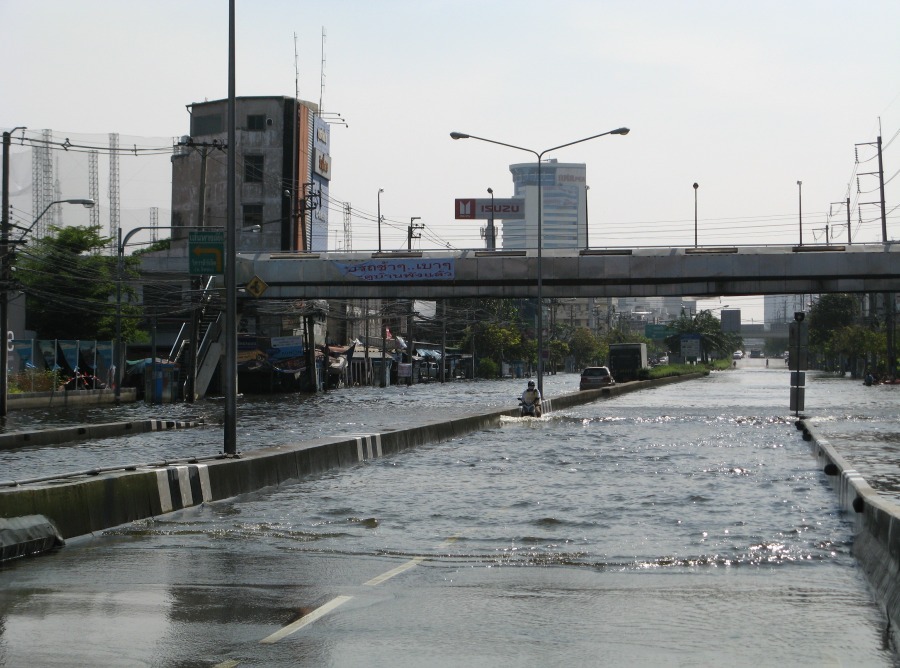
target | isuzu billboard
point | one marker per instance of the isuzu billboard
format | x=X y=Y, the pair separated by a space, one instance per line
x=485 y=209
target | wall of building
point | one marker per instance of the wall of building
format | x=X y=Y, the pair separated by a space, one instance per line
x=279 y=130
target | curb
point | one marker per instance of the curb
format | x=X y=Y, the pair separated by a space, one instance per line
x=19 y=439
x=876 y=522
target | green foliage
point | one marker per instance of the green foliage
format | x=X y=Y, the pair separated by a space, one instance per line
x=161 y=245
x=487 y=368
x=559 y=350
x=713 y=341
x=34 y=380
x=830 y=313
x=683 y=369
x=587 y=348
x=70 y=286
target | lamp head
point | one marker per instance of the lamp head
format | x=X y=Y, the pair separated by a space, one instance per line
x=458 y=135
x=696 y=185
x=491 y=191
x=621 y=131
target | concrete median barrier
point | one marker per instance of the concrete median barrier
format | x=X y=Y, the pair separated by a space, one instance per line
x=103 y=499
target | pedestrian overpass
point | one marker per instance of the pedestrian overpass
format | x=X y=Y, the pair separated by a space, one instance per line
x=613 y=272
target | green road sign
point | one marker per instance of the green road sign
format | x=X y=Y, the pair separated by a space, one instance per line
x=206 y=252
x=658 y=331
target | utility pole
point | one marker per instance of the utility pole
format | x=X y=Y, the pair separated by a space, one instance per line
x=4 y=278
x=410 y=231
x=410 y=235
x=203 y=148
x=888 y=296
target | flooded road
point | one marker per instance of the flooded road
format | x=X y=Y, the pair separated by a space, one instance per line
x=683 y=525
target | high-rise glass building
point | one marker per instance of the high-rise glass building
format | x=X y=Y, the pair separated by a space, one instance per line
x=564 y=203
x=780 y=309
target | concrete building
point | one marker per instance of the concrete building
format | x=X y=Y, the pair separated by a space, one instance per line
x=780 y=309
x=283 y=170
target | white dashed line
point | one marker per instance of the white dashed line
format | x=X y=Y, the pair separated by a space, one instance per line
x=305 y=620
x=412 y=563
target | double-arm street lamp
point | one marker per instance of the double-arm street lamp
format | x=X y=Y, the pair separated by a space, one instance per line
x=540 y=278
x=696 y=185
x=4 y=291
x=380 y=190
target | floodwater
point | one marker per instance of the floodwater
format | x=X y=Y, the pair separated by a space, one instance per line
x=679 y=526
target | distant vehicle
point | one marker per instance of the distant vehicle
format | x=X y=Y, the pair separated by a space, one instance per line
x=756 y=353
x=626 y=360
x=663 y=359
x=595 y=376
x=738 y=355
x=787 y=353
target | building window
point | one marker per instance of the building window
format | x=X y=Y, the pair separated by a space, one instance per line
x=253 y=168
x=256 y=122
x=209 y=124
x=253 y=215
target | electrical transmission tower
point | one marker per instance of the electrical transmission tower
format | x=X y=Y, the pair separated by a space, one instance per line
x=94 y=188
x=114 y=188
x=154 y=223
x=41 y=181
x=348 y=232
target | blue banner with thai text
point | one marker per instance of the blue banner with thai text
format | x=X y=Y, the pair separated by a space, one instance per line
x=376 y=270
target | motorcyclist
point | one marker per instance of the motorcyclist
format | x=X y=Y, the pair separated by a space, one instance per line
x=532 y=395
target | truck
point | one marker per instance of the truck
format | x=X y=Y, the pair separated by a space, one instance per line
x=626 y=360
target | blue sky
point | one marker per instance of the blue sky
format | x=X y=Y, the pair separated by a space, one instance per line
x=743 y=98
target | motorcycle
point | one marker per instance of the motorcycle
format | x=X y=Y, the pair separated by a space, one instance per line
x=527 y=408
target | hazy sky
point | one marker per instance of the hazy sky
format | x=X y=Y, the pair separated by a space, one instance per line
x=743 y=98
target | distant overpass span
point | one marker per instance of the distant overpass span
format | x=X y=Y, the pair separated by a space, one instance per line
x=638 y=272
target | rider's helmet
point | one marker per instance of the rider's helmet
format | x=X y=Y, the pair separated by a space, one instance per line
x=530 y=383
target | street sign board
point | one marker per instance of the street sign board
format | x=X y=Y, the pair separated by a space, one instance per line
x=206 y=252
x=485 y=208
x=798 y=360
x=658 y=331
x=798 y=399
x=690 y=346
x=256 y=286
x=798 y=334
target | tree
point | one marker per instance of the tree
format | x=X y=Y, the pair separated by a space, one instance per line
x=713 y=341
x=70 y=286
x=587 y=348
x=830 y=313
x=559 y=350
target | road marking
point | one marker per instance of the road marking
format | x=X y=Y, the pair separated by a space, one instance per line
x=412 y=563
x=321 y=611
x=226 y=664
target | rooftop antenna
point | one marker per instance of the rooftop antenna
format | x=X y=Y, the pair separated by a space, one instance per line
x=322 y=75
x=296 y=71
x=331 y=117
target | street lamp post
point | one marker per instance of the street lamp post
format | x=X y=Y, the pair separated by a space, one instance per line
x=696 y=185
x=380 y=190
x=587 y=233
x=540 y=278
x=800 y=208
x=490 y=230
x=4 y=293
